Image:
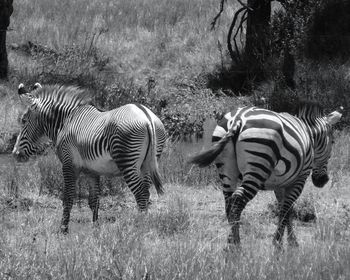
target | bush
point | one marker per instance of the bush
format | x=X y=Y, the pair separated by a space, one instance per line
x=303 y=209
x=290 y=27
x=329 y=35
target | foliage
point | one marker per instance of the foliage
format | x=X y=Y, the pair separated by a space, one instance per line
x=328 y=85
x=290 y=26
x=317 y=29
x=329 y=34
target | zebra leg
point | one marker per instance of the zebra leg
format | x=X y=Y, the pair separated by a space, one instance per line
x=94 y=196
x=285 y=219
x=129 y=153
x=280 y=195
x=139 y=186
x=226 y=165
x=142 y=196
x=70 y=177
x=228 y=202
x=292 y=239
x=240 y=198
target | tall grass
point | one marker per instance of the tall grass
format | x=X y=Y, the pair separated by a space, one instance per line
x=176 y=240
x=168 y=40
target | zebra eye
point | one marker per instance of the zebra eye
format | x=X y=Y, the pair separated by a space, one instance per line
x=23 y=120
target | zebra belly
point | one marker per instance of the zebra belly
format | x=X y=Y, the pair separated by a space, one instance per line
x=274 y=182
x=103 y=165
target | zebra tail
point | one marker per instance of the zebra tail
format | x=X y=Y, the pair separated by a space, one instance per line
x=205 y=158
x=152 y=154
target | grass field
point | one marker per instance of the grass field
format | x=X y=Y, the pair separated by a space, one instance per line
x=182 y=237
x=184 y=234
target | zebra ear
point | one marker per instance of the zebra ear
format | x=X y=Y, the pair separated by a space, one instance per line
x=36 y=86
x=335 y=116
x=25 y=97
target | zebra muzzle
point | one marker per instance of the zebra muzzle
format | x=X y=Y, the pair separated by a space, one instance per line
x=320 y=181
x=20 y=157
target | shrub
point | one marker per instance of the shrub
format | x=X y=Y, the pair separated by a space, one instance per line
x=290 y=26
x=329 y=34
x=303 y=209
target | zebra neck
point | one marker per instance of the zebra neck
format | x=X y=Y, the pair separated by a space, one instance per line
x=55 y=123
x=316 y=128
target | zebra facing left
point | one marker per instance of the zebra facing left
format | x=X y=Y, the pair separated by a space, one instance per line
x=256 y=149
x=126 y=141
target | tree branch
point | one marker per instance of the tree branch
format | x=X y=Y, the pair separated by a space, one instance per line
x=244 y=5
x=213 y=23
x=240 y=28
x=229 y=35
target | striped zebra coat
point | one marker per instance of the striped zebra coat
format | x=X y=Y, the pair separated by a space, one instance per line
x=257 y=149
x=125 y=141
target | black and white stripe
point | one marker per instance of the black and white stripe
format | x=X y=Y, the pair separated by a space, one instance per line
x=256 y=149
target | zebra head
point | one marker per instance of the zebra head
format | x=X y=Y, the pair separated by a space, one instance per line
x=29 y=139
x=323 y=147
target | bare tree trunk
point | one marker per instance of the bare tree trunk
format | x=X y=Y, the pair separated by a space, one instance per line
x=257 y=36
x=6 y=10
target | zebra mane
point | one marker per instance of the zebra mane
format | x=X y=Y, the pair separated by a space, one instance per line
x=72 y=96
x=309 y=110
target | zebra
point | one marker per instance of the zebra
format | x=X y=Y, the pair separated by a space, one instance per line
x=126 y=141
x=258 y=149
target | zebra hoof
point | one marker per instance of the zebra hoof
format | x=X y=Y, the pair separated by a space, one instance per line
x=233 y=240
x=231 y=248
x=96 y=224
x=278 y=246
x=64 y=230
x=293 y=243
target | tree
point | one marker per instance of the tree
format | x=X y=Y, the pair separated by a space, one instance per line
x=256 y=15
x=257 y=37
x=6 y=9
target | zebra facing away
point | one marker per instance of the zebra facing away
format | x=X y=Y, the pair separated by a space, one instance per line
x=265 y=150
x=122 y=142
